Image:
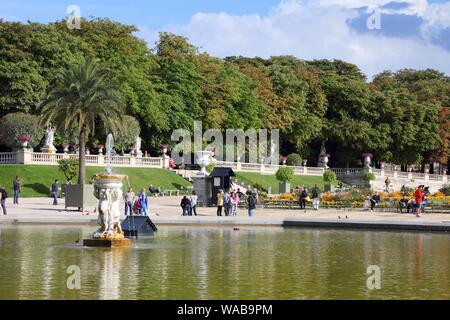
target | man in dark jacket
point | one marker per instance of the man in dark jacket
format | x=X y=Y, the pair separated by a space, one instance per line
x=251 y=204
x=315 y=192
x=3 y=196
x=17 y=188
x=54 y=192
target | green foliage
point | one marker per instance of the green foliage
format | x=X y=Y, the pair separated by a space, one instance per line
x=128 y=137
x=15 y=125
x=445 y=190
x=369 y=176
x=284 y=174
x=69 y=167
x=401 y=117
x=210 y=167
x=83 y=93
x=329 y=177
x=294 y=159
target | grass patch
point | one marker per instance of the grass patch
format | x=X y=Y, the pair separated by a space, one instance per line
x=266 y=181
x=36 y=180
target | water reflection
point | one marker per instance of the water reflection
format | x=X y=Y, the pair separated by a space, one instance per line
x=222 y=263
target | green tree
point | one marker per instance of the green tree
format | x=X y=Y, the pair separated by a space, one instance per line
x=284 y=174
x=70 y=167
x=83 y=94
x=15 y=125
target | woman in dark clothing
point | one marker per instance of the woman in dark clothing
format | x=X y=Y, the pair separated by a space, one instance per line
x=303 y=196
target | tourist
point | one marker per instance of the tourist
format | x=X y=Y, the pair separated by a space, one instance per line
x=234 y=203
x=227 y=203
x=54 y=192
x=194 y=199
x=3 y=197
x=240 y=194
x=403 y=203
x=374 y=200
x=186 y=206
x=418 y=195
x=251 y=203
x=143 y=201
x=219 y=202
x=129 y=201
x=17 y=189
x=387 y=183
x=303 y=196
x=316 y=197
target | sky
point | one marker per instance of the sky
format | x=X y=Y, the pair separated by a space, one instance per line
x=408 y=33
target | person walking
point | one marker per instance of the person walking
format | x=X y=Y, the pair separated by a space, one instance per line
x=186 y=206
x=143 y=200
x=315 y=192
x=418 y=195
x=234 y=203
x=219 y=202
x=3 y=197
x=227 y=203
x=129 y=201
x=251 y=204
x=54 y=192
x=194 y=200
x=17 y=189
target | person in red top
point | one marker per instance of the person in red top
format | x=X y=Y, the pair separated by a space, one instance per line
x=418 y=195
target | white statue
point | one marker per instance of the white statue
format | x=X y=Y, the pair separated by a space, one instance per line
x=108 y=213
x=137 y=147
x=49 y=138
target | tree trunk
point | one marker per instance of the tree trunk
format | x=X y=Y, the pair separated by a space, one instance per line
x=82 y=156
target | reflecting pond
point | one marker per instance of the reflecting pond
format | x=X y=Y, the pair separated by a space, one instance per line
x=222 y=263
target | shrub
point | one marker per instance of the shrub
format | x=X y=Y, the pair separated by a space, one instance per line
x=329 y=176
x=69 y=167
x=445 y=190
x=369 y=176
x=15 y=125
x=285 y=174
x=294 y=159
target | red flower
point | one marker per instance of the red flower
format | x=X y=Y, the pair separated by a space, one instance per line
x=24 y=138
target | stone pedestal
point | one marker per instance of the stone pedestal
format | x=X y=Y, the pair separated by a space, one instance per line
x=108 y=243
x=24 y=156
x=48 y=149
x=203 y=188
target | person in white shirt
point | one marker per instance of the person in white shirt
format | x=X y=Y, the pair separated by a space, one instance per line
x=194 y=199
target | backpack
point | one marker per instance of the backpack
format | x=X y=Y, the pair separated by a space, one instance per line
x=4 y=193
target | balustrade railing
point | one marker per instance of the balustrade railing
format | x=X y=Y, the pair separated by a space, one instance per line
x=7 y=157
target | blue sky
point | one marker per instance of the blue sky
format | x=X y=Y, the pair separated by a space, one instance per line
x=413 y=33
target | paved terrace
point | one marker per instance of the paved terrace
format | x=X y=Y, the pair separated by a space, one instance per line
x=166 y=211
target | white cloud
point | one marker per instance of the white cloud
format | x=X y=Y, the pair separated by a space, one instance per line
x=316 y=30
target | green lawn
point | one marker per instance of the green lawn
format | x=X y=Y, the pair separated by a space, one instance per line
x=36 y=180
x=266 y=181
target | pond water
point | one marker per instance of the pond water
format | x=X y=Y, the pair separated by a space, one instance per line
x=221 y=263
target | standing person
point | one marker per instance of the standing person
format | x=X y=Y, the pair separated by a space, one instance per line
x=143 y=200
x=3 y=197
x=234 y=203
x=418 y=195
x=227 y=203
x=240 y=194
x=17 y=189
x=251 y=203
x=194 y=200
x=374 y=200
x=129 y=201
x=186 y=206
x=303 y=196
x=219 y=202
x=316 y=197
x=54 y=192
x=387 y=183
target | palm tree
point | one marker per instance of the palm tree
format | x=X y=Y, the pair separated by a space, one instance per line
x=82 y=95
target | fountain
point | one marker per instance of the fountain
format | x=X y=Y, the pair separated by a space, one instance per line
x=108 y=191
